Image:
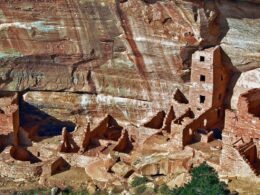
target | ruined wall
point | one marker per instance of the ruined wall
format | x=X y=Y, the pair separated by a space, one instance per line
x=232 y=163
x=249 y=102
x=54 y=166
x=207 y=120
x=177 y=136
x=241 y=127
x=16 y=169
x=9 y=116
x=251 y=154
x=108 y=128
x=156 y=122
x=170 y=116
x=123 y=144
x=241 y=123
x=22 y=154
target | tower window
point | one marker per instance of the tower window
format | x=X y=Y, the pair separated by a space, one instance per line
x=202 y=78
x=202 y=58
x=221 y=77
x=202 y=99
x=219 y=96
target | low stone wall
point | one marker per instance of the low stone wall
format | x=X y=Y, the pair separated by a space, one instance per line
x=206 y=120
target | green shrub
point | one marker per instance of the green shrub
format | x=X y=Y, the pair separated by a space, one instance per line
x=100 y=192
x=139 y=181
x=164 y=190
x=69 y=191
x=204 y=181
x=140 y=189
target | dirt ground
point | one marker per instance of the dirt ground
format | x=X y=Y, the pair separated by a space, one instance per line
x=244 y=187
x=75 y=178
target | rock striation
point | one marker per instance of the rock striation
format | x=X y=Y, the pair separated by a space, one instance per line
x=128 y=55
x=113 y=89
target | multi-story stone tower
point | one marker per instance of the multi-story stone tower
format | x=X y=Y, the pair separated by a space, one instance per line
x=209 y=80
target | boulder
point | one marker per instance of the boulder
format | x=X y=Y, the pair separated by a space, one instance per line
x=122 y=169
x=179 y=180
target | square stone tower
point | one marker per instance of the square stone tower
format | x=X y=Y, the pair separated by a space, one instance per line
x=209 y=79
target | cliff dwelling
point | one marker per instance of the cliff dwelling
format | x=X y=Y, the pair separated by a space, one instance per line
x=200 y=123
x=129 y=97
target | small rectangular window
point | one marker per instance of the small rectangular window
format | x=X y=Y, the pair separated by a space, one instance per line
x=202 y=99
x=221 y=77
x=202 y=58
x=202 y=78
x=219 y=96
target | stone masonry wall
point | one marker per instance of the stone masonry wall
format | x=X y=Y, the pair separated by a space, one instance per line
x=242 y=123
x=206 y=121
x=233 y=163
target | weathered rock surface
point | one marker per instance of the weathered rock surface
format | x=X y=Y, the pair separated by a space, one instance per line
x=179 y=180
x=163 y=163
x=76 y=107
x=241 y=22
x=129 y=56
x=76 y=64
x=122 y=169
x=247 y=80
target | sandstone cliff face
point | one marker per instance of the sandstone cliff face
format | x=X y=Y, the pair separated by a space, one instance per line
x=247 y=80
x=240 y=39
x=73 y=59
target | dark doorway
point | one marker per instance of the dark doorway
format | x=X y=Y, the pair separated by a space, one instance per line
x=202 y=99
x=202 y=78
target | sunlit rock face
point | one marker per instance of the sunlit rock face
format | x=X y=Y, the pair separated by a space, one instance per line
x=242 y=22
x=156 y=34
x=247 y=80
x=55 y=43
x=85 y=58
x=79 y=108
